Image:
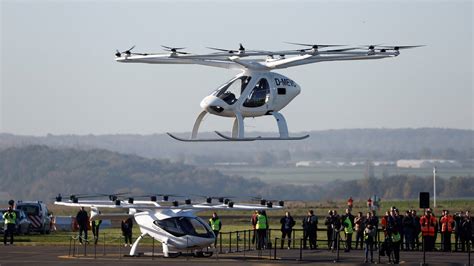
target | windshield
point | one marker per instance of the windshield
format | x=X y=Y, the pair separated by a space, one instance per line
x=231 y=91
x=29 y=209
x=180 y=226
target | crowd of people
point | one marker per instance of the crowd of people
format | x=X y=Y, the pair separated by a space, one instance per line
x=393 y=232
x=400 y=232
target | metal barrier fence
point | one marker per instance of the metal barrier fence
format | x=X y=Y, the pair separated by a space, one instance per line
x=230 y=242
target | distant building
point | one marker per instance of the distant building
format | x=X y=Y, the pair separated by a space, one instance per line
x=342 y=164
x=231 y=164
x=428 y=163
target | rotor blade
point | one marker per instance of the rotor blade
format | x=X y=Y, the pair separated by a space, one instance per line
x=400 y=47
x=315 y=45
x=222 y=50
x=370 y=46
x=171 y=48
x=341 y=50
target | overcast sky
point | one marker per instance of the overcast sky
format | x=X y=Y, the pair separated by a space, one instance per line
x=59 y=76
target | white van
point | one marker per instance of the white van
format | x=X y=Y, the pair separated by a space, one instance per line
x=38 y=214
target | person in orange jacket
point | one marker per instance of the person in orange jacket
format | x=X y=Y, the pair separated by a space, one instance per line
x=428 y=227
x=447 y=227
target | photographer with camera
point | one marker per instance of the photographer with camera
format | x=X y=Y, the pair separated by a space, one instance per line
x=10 y=220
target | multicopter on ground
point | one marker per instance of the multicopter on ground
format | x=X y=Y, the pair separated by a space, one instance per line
x=256 y=91
x=174 y=225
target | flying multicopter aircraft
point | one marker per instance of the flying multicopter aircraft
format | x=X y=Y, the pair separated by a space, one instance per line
x=256 y=91
x=174 y=225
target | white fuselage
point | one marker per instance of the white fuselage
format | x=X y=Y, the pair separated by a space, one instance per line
x=252 y=94
x=166 y=226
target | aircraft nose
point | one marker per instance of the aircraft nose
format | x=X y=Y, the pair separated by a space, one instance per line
x=213 y=104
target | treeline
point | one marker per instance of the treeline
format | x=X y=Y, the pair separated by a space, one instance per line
x=401 y=187
x=40 y=173
x=344 y=144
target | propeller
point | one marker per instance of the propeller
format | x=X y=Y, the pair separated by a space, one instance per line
x=114 y=197
x=74 y=197
x=341 y=50
x=127 y=52
x=223 y=199
x=174 y=50
x=384 y=48
x=165 y=197
x=314 y=46
x=241 y=49
x=268 y=202
x=400 y=47
x=207 y=198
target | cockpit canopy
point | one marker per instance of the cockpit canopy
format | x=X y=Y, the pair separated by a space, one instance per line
x=181 y=226
x=231 y=91
x=259 y=95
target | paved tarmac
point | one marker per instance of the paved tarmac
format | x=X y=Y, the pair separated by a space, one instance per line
x=60 y=255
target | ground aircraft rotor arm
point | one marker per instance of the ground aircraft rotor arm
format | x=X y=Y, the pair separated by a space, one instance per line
x=150 y=205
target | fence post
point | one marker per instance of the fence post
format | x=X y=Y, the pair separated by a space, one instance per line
x=301 y=249
x=378 y=251
x=245 y=239
x=70 y=243
x=74 y=247
x=238 y=239
x=338 y=236
x=469 y=252
x=275 y=248
x=269 y=236
x=424 y=249
x=293 y=237
x=230 y=242
x=220 y=243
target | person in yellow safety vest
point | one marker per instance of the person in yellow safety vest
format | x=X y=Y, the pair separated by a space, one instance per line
x=447 y=227
x=396 y=242
x=262 y=226
x=348 y=223
x=95 y=229
x=10 y=220
x=216 y=225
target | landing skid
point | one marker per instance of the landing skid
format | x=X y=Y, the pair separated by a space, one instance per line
x=228 y=138
x=260 y=138
x=238 y=133
x=205 y=140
